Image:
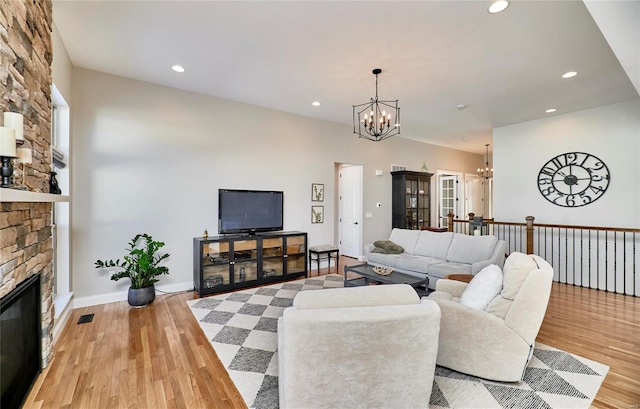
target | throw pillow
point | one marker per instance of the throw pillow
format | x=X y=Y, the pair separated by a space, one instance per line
x=483 y=288
x=388 y=246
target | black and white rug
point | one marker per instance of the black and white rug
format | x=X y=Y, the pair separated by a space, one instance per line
x=241 y=327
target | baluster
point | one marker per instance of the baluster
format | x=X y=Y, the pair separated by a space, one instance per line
x=615 y=262
x=634 y=265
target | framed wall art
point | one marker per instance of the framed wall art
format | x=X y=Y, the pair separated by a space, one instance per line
x=317 y=214
x=317 y=192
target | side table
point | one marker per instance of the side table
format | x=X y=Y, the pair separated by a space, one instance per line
x=465 y=278
x=326 y=250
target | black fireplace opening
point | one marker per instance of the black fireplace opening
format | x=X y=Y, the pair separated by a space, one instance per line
x=20 y=351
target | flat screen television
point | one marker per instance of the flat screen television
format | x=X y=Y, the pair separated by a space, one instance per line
x=249 y=211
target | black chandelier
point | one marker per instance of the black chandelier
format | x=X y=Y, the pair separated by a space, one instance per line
x=376 y=120
x=486 y=171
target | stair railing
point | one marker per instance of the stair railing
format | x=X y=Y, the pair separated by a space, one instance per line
x=604 y=258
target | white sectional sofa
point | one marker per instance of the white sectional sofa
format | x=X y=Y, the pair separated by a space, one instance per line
x=439 y=254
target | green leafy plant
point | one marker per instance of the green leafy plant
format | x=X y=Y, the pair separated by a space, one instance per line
x=141 y=265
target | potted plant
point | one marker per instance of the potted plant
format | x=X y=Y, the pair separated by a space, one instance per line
x=141 y=266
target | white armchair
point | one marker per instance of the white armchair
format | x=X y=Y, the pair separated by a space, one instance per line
x=496 y=343
x=358 y=347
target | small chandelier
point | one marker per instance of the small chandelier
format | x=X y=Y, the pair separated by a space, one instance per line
x=376 y=120
x=486 y=172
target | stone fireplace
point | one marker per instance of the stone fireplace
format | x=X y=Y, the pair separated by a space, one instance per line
x=25 y=87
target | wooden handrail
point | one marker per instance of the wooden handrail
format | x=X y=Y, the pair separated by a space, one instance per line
x=567 y=226
x=530 y=227
x=559 y=226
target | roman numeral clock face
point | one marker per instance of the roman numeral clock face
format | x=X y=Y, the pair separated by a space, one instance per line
x=573 y=179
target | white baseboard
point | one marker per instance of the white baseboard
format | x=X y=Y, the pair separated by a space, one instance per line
x=100 y=299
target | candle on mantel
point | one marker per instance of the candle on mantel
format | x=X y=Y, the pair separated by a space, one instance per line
x=15 y=121
x=7 y=142
x=24 y=155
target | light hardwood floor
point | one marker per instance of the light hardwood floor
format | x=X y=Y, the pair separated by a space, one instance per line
x=157 y=357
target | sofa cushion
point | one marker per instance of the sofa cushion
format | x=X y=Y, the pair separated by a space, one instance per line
x=415 y=263
x=441 y=295
x=441 y=270
x=432 y=244
x=482 y=288
x=407 y=239
x=469 y=249
x=516 y=268
x=387 y=247
x=383 y=259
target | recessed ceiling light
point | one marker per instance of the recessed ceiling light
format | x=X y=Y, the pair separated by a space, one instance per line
x=178 y=68
x=316 y=103
x=461 y=106
x=569 y=74
x=550 y=110
x=497 y=6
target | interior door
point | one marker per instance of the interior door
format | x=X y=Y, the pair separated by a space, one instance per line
x=350 y=210
x=448 y=198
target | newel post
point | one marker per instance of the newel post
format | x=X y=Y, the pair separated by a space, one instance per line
x=529 y=220
x=450 y=222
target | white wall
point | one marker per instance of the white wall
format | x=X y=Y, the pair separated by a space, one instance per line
x=612 y=133
x=61 y=68
x=150 y=159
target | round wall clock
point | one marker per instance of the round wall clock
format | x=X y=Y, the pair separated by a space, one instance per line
x=573 y=179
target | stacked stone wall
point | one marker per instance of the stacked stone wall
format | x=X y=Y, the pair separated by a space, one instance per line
x=25 y=87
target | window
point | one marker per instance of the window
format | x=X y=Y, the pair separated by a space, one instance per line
x=61 y=227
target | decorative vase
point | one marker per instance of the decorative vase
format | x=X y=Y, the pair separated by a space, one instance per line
x=141 y=297
x=425 y=169
x=53 y=184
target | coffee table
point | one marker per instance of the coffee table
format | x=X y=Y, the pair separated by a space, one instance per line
x=369 y=276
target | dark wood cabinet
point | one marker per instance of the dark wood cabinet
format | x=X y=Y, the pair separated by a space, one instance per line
x=411 y=200
x=223 y=263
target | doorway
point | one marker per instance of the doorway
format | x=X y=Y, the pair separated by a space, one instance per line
x=474 y=195
x=350 y=210
x=449 y=192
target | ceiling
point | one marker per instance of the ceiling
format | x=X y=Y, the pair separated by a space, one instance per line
x=434 y=55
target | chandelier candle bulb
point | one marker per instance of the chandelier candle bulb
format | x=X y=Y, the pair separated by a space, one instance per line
x=15 y=121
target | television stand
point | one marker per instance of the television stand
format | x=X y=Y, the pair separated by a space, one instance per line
x=233 y=261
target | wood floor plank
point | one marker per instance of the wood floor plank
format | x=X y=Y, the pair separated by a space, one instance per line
x=158 y=357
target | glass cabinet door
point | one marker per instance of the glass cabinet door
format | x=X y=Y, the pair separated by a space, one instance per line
x=411 y=203
x=272 y=257
x=296 y=254
x=215 y=264
x=423 y=204
x=245 y=260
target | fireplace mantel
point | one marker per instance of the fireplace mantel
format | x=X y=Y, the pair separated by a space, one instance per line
x=14 y=195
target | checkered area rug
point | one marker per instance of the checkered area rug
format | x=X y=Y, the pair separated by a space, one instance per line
x=241 y=327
